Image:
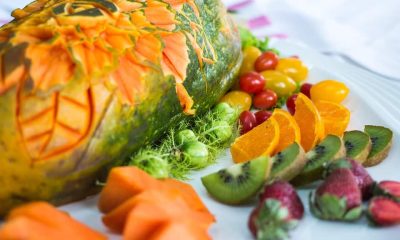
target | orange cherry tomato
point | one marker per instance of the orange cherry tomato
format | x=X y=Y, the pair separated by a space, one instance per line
x=238 y=99
x=278 y=82
x=294 y=68
x=250 y=55
x=329 y=90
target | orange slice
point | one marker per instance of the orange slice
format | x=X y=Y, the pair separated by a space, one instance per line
x=260 y=141
x=335 y=117
x=289 y=131
x=309 y=122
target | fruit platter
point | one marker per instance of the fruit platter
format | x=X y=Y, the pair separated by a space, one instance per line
x=166 y=120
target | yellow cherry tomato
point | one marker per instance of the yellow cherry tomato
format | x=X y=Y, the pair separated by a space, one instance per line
x=329 y=90
x=238 y=99
x=250 y=55
x=278 y=82
x=294 y=68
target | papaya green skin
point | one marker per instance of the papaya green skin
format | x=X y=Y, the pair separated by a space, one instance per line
x=123 y=129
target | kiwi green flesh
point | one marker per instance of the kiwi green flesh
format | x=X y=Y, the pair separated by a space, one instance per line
x=381 y=139
x=288 y=163
x=330 y=149
x=238 y=183
x=358 y=145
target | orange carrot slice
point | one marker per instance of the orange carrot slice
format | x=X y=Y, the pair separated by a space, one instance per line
x=122 y=184
x=40 y=218
x=175 y=206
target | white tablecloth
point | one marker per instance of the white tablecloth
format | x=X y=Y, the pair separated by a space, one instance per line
x=365 y=32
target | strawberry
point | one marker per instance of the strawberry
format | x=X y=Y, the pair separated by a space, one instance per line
x=364 y=180
x=338 y=197
x=279 y=210
x=383 y=211
x=389 y=189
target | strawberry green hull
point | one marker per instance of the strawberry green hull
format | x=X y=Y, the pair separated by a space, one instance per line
x=107 y=128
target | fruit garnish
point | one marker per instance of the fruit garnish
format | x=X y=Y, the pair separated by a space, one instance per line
x=288 y=163
x=390 y=189
x=238 y=99
x=152 y=163
x=266 y=61
x=247 y=121
x=328 y=150
x=195 y=154
x=250 y=55
x=358 y=145
x=335 y=117
x=225 y=112
x=294 y=68
x=265 y=99
x=185 y=135
x=381 y=139
x=364 y=180
x=337 y=198
x=238 y=183
x=278 y=211
x=278 y=82
x=194 y=144
x=309 y=121
x=329 y=90
x=291 y=104
x=383 y=211
x=260 y=141
x=289 y=131
x=305 y=89
x=262 y=116
x=252 y=82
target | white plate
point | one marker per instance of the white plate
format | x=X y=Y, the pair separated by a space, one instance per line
x=372 y=100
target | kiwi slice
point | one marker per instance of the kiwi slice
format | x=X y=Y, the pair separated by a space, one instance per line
x=330 y=149
x=358 y=145
x=381 y=139
x=238 y=183
x=288 y=163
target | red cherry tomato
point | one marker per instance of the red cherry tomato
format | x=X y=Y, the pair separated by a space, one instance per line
x=267 y=61
x=248 y=121
x=265 y=99
x=252 y=82
x=290 y=103
x=305 y=89
x=262 y=116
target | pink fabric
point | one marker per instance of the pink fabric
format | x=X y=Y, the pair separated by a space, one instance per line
x=278 y=35
x=258 y=22
x=239 y=5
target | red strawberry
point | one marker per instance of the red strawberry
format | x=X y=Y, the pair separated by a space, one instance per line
x=389 y=189
x=384 y=211
x=364 y=180
x=278 y=211
x=338 y=197
x=285 y=193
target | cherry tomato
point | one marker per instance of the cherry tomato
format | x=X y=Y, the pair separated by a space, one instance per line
x=265 y=99
x=291 y=103
x=262 y=116
x=329 y=90
x=252 y=82
x=294 y=68
x=267 y=61
x=238 y=99
x=278 y=82
x=250 y=55
x=305 y=89
x=248 y=121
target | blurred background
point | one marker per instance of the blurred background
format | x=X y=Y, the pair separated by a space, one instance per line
x=362 y=32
